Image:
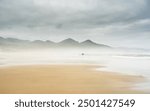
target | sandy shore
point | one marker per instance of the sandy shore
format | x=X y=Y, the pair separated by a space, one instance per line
x=60 y=79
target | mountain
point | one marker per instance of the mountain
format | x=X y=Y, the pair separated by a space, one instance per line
x=85 y=44
x=12 y=41
x=40 y=43
x=2 y=40
x=67 y=43
x=89 y=43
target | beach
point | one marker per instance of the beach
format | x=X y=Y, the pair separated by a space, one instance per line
x=64 y=79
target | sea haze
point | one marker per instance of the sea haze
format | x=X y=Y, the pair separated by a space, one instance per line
x=125 y=61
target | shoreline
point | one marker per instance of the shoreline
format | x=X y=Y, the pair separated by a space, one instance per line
x=64 y=79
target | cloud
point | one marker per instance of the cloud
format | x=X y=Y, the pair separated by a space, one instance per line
x=58 y=19
x=76 y=13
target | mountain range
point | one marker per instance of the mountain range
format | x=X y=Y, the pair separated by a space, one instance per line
x=67 y=43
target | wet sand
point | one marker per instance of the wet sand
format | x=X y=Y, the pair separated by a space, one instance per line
x=64 y=79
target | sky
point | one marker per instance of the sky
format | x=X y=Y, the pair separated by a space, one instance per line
x=119 y=23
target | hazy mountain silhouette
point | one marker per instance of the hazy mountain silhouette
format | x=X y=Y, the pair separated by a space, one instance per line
x=13 y=43
x=89 y=43
x=40 y=43
x=67 y=43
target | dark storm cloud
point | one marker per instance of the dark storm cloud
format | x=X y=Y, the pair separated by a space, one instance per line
x=61 y=18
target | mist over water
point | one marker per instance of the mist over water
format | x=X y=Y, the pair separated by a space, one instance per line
x=125 y=61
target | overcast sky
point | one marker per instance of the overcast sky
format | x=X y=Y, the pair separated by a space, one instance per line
x=113 y=22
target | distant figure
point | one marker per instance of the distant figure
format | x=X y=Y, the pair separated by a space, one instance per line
x=82 y=54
